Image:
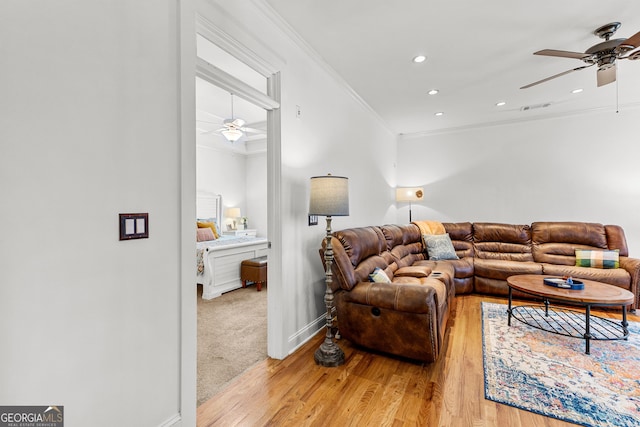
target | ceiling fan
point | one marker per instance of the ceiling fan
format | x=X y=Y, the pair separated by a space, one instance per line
x=603 y=54
x=234 y=128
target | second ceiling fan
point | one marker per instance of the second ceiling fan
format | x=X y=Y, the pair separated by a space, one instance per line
x=603 y=54
x=234 y=128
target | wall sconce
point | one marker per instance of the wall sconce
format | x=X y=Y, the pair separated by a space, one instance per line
x=409 y=194
x=329 y=197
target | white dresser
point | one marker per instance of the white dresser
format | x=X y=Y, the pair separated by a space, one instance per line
x=239 y=232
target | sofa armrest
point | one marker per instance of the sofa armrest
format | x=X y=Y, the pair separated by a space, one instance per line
x=395 y=296
x=632 y=265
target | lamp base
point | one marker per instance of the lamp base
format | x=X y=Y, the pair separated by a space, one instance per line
x=329 y=355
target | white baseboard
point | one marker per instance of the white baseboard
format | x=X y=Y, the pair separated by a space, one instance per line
x=174 y=421
x=306 y=333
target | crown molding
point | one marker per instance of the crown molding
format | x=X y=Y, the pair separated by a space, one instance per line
x=292 y=35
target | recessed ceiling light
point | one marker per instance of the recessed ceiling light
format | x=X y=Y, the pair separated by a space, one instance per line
x=577 y=90
x=500 y=103
x=439 y=113
x=420 y=58
x=433 y=92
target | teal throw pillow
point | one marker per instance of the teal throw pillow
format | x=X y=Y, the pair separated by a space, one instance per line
x=439 y=247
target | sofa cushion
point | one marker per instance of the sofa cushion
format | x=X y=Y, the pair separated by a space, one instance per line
x=580 y=233
x=439 y=247
x=405 y=255
x=461 y=234
x=556 y=242
x=361 y=243
x=501 y=269
x=463 y=267
x=362 y=271
x=613 y=276
x=411 y=234
x=510 y=242
x=393 y=235
x=598 y=259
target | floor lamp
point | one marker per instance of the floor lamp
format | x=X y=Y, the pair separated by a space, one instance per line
x=409 y=194
x=329 y=197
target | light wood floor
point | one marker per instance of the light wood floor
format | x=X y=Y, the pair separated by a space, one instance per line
x=372 y=389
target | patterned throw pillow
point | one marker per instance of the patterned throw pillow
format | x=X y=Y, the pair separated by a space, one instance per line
x=212 y=225
x=204 y=234
x=439 y=247
x=379 y=276
x=598 y=259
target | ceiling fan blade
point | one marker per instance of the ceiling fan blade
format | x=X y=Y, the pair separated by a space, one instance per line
x=562 y=53
x=208 y=132
x=634 y=40
x=217 y=118
x=237 y=122
x=554 y=76
x=209 y=122
x=607 y=75
x=252 y=130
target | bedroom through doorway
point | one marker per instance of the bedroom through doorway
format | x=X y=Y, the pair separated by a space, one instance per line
x=232 y=192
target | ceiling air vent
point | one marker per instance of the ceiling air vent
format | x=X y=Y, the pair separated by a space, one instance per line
x=535 y=106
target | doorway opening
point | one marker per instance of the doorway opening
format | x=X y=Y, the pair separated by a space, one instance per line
x=242 y=174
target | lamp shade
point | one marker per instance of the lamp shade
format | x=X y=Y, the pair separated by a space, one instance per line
x=329 y=196
x=409 y=194
x=233 y=213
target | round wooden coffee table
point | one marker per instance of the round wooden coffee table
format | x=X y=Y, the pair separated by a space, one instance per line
x=568 y=322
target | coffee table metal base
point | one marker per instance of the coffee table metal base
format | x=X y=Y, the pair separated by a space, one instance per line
x=570 y=323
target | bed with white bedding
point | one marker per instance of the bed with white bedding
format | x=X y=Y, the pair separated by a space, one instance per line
x=218 y=261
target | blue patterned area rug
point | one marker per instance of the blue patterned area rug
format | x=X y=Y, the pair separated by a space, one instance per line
x=551 y=375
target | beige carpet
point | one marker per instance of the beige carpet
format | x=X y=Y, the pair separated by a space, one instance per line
x=232 y=337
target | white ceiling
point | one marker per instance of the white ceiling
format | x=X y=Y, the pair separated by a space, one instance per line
x=214 y=105
x=478 y=53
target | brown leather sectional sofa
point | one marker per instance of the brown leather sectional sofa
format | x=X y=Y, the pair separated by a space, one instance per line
x=408 y=316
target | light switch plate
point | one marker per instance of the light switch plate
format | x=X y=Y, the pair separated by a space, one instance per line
x=134 y=226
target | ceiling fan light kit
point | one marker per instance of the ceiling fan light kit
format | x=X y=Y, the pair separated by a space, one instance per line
x=603 y=54
x=234 y=128
x=232 y=135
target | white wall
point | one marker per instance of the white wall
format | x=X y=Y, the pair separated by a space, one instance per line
x=576 y=168
x=240 y=178
x=89 y=111
x=256 y=192
x=335 y=134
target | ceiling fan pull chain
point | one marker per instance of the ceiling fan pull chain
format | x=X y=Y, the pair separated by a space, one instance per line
x=617 y=101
